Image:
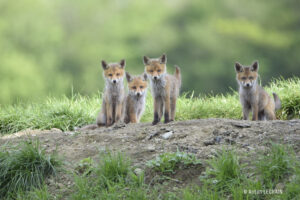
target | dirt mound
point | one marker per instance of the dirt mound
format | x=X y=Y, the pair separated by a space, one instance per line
x=142 y=142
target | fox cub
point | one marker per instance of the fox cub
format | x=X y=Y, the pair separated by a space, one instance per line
x=253 y=96
x=136 y=98
x=165 y=87
x=113 y=96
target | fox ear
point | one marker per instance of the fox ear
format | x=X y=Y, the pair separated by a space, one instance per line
x=122 y=63
x=146 y=60
x=163 y=59
x=128 y=77
x=145 y=77
x=254 y=66
x=238 y=67
x=104 y=64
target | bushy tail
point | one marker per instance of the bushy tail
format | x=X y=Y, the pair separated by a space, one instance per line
x=277 y=101
x=178 y=74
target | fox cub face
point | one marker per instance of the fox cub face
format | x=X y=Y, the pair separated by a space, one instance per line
x=155 y=67
x=246 y=76
x=137 y=85
x=113 y=72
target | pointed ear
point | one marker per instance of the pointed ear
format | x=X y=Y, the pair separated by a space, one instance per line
x=238 y=67
x=104 y=64
x=122 y=63
x=254 y=66
x=146 y=60
x=163 y=59
x=128 y=77
x=145 y=76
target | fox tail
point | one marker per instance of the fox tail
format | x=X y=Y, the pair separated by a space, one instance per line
x=178 y=73
x=277 y=101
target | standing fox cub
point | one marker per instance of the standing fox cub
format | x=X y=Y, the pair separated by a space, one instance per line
x=253 y=96
x=113 y=96
x=136 y=98
x=165 y=87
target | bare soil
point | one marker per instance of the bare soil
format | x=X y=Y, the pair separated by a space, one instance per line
x=143 y=142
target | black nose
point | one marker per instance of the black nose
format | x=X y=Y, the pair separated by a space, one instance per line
x=155 y=77
x=138 y=94
x=114 y=81
x=247 y=84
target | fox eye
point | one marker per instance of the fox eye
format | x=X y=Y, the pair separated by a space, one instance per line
x=244 y=78
x=251 y=77
x=141 y=87
x=109 y=74
x=158 y=70
x=118 y=74
x=151 y=70
x=133 y=87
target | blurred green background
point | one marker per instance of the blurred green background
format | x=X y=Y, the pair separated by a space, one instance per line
x=52 y=48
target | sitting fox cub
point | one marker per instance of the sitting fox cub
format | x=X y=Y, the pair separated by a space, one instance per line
x=253 y=96
x=113 y=96
x=136 y=98
x=165 y=87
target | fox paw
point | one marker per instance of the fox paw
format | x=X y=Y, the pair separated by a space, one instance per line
x=155 y=122
x=167 y=121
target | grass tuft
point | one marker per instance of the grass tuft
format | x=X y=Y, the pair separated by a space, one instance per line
x=276 y=164
x=25 y=168
x=225 y=169
x=169 y=162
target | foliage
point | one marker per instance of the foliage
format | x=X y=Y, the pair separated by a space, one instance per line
x=25 y=168
x=55 y=47
x=169 y=162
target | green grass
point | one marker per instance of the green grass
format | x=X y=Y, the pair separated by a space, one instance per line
x=275 y=164
x=169 y=162
x=113 y=178
x=225 y=170
x=25 y=167
x=68 y=113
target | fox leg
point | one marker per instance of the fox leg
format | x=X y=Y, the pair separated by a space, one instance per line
x=109 y=114
x=255 y=112
x=173 y=108
x=133 y=118
x=167 y=109
x=119 y=108
x=157 y=110
x=246 y=111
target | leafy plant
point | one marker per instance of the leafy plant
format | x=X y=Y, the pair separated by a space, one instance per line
x=169 y=162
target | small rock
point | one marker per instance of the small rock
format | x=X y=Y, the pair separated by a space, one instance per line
x=119 y=125
x=226 y=133
x=151 y=148
x=60 y=185
x=56 y=130
x=241 y=124
x=138 y=171
x=230 y=141
x=152 y=135
x=218 y=139
x=167 y=135
x=209 y=142
x=216 y=132
x=280 y=186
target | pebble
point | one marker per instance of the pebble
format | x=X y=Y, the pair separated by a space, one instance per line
x=167 y=135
